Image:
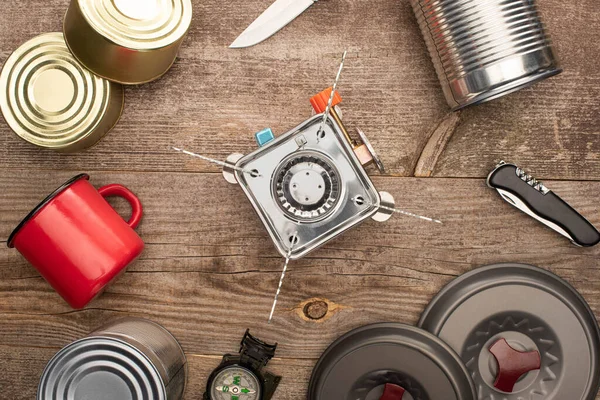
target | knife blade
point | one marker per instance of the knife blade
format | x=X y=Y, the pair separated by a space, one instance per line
x=533 y=198
x=278 y=15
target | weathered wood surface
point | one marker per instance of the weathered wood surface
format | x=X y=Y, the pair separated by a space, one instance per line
x=209 y=270
x=215 y=98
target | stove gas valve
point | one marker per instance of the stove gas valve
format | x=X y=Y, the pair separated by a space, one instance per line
x=309 y=185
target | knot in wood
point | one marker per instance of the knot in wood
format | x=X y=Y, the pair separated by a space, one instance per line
x=316 y=309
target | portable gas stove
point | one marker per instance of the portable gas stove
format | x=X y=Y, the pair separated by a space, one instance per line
x=309 y=185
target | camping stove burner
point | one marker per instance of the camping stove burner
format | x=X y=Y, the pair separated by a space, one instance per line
x=307 y=186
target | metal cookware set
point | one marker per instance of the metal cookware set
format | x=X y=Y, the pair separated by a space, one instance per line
x=505 y=331
x=501 y=332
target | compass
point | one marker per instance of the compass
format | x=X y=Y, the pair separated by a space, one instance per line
x=235 y=383
x=241 y=376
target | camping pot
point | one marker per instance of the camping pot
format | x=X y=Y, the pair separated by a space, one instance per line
x=521 y=331
x=390 y=361
x=127 y=41
x=131 y=358
x=484 y=49
x=48 y=99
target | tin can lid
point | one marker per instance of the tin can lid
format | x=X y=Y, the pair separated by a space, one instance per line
x=522 y=332
x=139 y=24
x=98 y=368
x=49 y=99
x=371 y=362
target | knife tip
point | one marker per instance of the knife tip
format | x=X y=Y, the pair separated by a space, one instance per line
x=238 y=44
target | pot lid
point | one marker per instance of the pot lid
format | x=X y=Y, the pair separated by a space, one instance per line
x=98 y=368
x=523 y=333
x=390 y=361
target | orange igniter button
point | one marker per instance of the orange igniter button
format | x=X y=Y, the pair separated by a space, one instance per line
x=319 y=101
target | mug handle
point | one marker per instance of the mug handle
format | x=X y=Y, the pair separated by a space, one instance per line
x=122 y=191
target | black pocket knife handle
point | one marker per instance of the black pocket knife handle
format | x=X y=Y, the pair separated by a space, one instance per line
x=533 y=198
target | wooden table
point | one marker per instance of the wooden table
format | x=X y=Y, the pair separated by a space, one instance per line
x=209 y=270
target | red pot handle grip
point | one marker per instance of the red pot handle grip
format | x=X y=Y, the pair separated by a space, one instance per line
x=512 y=364
x=122 y=191
x=392 y=392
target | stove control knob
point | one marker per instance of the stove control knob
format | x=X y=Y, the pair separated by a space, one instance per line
x=319 y=101
x=366 y=152
x=512 y=364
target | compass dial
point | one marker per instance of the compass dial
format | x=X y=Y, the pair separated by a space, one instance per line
x=235 y=383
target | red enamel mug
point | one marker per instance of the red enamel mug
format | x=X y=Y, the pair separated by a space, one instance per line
x=77 y=241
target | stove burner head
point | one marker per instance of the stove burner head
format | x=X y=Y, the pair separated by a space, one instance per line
x=307 y=186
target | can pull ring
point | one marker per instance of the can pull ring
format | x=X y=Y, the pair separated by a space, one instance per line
x=512 y=364
x=392 y=392
x=122 y=191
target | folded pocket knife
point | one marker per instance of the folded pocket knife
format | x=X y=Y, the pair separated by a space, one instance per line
x=536 y=200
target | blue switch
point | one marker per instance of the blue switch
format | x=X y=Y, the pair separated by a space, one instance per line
x=265 y=136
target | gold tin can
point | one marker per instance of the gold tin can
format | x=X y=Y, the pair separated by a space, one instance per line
x=127 y=41
x=50 y=100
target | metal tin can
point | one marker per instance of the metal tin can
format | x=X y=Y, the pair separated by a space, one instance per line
x=484 y=49
x=129 y=359
x=125 y=41
x=50 y=100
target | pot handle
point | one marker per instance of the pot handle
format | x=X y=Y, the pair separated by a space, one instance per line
x=512 y=364
x=122 y=191
x=392 y=392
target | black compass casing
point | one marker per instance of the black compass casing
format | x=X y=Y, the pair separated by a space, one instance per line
x=254 y=355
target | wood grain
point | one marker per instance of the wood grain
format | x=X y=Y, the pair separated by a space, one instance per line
x=215 y=98
x=209 y=270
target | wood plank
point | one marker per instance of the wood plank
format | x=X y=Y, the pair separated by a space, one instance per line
x=210 y=270
x=216 y=98
x=552 y=128
x=24 y=366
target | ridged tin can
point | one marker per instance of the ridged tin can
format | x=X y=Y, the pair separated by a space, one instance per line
x=130 y=359
x=50 y=100
x=484 y=49
x=127 y=41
